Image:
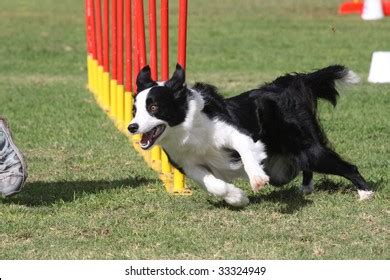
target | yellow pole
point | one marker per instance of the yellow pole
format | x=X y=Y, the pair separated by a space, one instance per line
x=156 y=158
x=128 y=110
x=136 y=139
x=165 y=165
x=106 y=91
x=100 y=85
x=120 y=116
x=113 y=87
x=94 y=76
x=166 y=172
x=178 y=181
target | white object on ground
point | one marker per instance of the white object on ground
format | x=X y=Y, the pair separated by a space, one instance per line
x=380 y=68
x=372 y=10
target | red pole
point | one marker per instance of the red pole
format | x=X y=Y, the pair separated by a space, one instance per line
x=106 y=40
x=87 y=33
x=91 y=43
x=93 y=33
x=99 y=43
x=182 y=43
x=119 y=38
x=164 y=40
x=153 y=38
x=128 y=46
x=113 y=40
x=135 y=48
x=141 y=33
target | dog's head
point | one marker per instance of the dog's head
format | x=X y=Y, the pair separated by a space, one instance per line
x=158 y=106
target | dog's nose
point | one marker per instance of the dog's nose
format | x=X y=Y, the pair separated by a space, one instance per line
x=133 y=127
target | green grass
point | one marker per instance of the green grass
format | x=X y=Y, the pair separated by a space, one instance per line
x=90 y=196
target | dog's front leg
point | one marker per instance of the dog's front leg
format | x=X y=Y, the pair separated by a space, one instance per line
x=231 y=194
x=251 y=153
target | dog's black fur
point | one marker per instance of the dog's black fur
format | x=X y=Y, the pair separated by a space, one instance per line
x=281 y=114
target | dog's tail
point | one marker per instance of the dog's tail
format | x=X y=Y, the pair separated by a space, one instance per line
x=323 y=82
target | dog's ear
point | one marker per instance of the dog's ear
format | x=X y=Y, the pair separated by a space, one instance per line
x=144 y=79
x=176 y=82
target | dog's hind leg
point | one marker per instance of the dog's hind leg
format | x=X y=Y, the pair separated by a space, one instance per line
x=329 y=162
x=231 y=194
x=307 y=182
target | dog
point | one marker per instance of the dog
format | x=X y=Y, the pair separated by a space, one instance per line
x=269 y=134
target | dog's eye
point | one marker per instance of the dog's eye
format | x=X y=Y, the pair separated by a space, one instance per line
x=153 y=108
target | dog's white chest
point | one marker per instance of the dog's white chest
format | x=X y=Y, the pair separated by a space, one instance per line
x=217 y=160
x=204 y=144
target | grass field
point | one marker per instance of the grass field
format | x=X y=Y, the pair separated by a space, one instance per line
x=90 y=196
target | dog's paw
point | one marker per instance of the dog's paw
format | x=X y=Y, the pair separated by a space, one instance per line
x=363 y=195
x=307 y=189
x=236 y=198
x=258 y=182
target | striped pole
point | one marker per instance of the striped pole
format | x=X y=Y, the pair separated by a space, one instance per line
x=113 y=83
x=136 y=68
x=106 y=61
x=106 y=40
x=166 y=171
x=94 y=48
x=128 y=79
x=120 y=86
x=178 y=177
x=155 y=153
x=99 y=47
x=139 y=7
x=91 y=43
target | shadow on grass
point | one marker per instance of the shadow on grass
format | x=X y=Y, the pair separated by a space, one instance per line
x=291 y=199
x=38 y=193
x=327 y=185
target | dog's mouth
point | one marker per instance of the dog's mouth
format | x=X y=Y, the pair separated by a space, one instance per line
x=149 y=138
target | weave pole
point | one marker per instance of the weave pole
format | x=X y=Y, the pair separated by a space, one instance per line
x=166 y=169
x=178 y=177
x=116 y=47
x=128 y=106
x=141 y=51
x=91 y=44
x=113 y=81
x=155 y=153
x=106 y=60
x=99 y=49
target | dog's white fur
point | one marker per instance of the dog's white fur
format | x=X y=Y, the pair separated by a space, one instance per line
x=143 y=118
x=197 y=146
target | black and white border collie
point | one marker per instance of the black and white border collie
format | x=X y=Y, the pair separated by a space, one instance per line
x=268 y=134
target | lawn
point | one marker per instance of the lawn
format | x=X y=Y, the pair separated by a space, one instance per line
x=90 y=196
